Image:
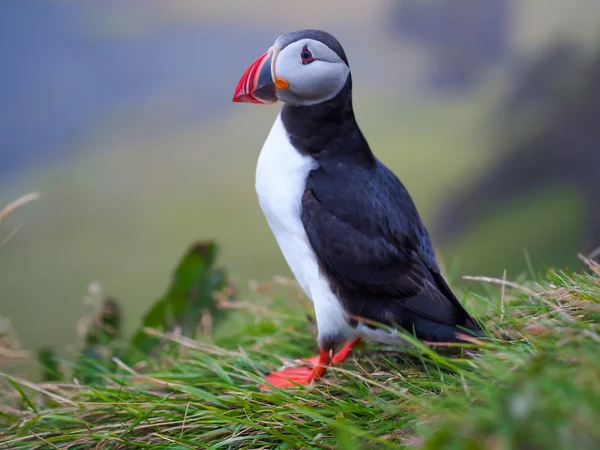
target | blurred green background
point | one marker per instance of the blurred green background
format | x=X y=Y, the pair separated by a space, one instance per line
x=119 y=113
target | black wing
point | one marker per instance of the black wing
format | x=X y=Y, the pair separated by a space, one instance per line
x=369 y=238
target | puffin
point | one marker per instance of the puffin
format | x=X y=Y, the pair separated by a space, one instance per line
x=345 y=224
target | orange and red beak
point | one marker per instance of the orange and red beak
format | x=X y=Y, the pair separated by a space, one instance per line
x=259 y=83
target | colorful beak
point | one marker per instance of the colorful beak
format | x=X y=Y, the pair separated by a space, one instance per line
x=257 y=84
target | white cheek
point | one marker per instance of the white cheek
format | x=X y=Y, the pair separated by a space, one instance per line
x=313 y=83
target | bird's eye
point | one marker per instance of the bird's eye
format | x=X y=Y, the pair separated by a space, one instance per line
x=306 y=55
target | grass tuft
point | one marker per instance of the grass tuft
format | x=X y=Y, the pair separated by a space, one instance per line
x=532 y=385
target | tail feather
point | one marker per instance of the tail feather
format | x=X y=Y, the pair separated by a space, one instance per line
x=428 y=330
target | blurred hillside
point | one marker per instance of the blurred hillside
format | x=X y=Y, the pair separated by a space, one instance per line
x=551 y=116
x=119 y=113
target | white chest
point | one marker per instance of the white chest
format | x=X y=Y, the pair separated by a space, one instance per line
x=280 y=181
x=281 y=175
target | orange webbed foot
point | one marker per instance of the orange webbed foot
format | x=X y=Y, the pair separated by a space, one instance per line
x=345 y=351
x=293 y=376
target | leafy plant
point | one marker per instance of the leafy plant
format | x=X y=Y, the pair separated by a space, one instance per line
x=189 y=301
x=190 y=305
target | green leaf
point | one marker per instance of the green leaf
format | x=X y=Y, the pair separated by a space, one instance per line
x=107 y=328
x=189 y=297
x=89 y=367
x=26 y=400
x=50 y=365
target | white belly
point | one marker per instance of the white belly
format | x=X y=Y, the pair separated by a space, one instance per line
x=280 y=182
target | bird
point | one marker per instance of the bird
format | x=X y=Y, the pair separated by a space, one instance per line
x=345 y=224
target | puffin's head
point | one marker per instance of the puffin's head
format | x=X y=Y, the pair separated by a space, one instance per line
x=302 y=68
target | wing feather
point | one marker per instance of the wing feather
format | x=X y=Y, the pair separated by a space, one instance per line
x=368 y=235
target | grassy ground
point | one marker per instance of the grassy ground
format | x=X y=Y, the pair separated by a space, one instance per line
x=533 y=385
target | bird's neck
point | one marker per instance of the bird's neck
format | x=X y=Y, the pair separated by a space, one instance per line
x=327 y=130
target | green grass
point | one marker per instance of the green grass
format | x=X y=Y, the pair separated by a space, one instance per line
x=533 y=385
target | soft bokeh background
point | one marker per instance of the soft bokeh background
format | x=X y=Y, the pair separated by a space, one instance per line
x=119 y=113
